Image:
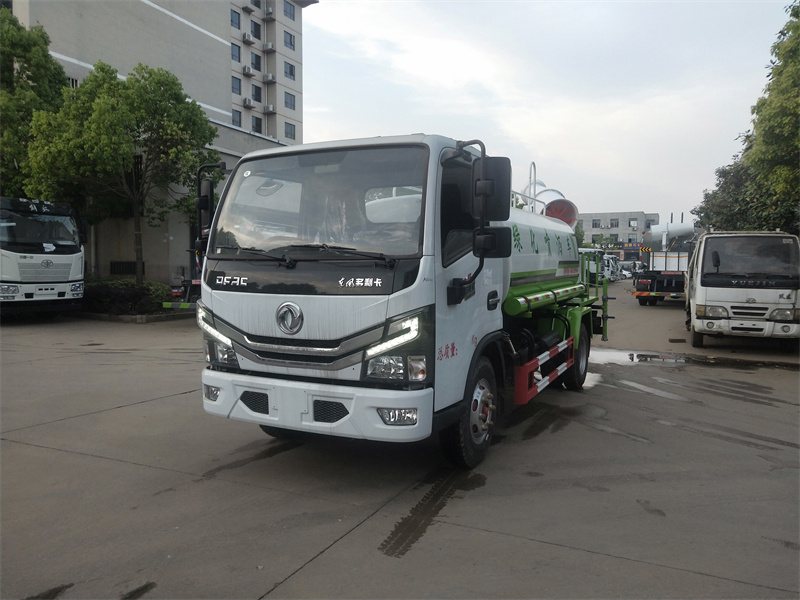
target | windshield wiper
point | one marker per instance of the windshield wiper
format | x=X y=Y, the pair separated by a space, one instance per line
x=388 y=261
x=283 y=260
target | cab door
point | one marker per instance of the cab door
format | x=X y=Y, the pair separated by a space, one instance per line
x=460 y=325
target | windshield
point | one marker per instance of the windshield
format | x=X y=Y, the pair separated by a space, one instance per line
x=368 y=199
x=765 y=256
x=18 y=228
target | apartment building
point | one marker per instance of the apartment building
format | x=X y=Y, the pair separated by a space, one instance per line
x=240 y=60
x=622 y=231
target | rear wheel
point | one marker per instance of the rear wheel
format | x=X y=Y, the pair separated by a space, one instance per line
x=466 y=442
x=652 y=301
x=575 y=376
x=642 y=301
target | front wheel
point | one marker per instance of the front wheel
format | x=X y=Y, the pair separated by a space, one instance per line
x=466 y=442
x=575 y=376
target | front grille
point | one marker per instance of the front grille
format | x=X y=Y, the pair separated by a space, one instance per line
x=34 y=272
x=256 y=401
x=275 y=341
x=326 y=411
x=750 y=312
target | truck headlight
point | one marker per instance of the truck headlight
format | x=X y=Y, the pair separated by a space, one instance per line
x=9 y=290
x=402 y=353
x=386 y=367
x=711 y=312
x=785 y=314
x=396 y=367
x=219 y=348
x=408 y=330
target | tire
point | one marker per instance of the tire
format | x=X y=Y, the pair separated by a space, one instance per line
x=652 y=301
x=642 y=301
x=466 y=442
x=575 y=376
x=697 y=339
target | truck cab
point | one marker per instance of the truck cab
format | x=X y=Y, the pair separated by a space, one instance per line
x=41 y=256
x=378 y=289
x=744 y=284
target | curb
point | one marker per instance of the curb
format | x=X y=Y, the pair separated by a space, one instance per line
x=139 y=319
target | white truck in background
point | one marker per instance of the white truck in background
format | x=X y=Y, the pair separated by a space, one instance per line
x=744 y=283
x=666 y=252
x=41 y=257
x=611 y=266
x=385 y=289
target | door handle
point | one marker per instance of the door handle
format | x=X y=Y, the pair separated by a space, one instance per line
x=492 y=300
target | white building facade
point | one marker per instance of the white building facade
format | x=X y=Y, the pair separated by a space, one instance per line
x=241 y=61
x=621 y=232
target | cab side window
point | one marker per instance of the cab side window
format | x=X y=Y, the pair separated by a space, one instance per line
x=456 y=221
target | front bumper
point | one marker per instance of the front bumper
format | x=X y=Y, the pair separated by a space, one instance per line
x=337 y=410
x=748 y=328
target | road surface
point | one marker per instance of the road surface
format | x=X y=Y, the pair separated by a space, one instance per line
x=663 y=478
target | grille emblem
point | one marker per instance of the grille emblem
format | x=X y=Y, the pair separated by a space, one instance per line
x=289 y=317
x=47 y=263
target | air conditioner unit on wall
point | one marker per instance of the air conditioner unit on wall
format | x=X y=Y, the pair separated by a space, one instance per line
x=269 y=47
x=247 y=8
x=269 y=108
x=248 y=102
x=247 y=70
x=248 y=38
x=269 y=78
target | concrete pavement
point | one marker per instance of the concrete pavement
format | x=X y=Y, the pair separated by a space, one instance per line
x=663 y=478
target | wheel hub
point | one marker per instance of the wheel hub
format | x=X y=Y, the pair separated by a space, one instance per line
x=481 y=412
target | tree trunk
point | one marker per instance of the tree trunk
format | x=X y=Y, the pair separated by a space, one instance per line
x=137 y=242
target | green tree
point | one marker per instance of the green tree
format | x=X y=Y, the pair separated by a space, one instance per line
x=773 y=150
x=729 y=207
x=761 y=188
x=134 y=146
x=30 y=80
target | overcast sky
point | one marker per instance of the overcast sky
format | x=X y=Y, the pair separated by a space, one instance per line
x=622 y=105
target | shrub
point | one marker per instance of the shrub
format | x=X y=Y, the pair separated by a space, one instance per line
x=123 y=297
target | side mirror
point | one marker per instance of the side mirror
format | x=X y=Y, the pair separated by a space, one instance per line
x=715 y=259
x=491 y=200
x=201 y=244
x=204 y=203
x=494 y=242
x=83 y=226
